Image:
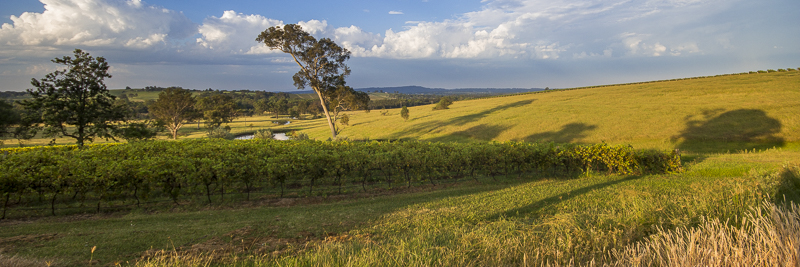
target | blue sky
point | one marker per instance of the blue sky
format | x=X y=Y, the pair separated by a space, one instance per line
x=434 y=43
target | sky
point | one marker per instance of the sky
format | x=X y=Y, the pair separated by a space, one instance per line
x=202 y=44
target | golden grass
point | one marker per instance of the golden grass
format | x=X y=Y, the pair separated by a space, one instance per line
x=769 y=236
x=753 y=111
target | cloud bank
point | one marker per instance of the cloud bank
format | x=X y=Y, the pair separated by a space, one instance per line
x=120 y=24
x=531 y=29
x=511 y=31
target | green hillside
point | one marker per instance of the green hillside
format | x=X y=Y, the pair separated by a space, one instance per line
x=732 y=112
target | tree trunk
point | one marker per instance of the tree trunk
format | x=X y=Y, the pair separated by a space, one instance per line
x=53 y=204
x=327 y=115
x=5 y=205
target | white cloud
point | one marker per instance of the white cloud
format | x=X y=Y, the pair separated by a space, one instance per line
x=113 y=23
x=541 y=29
x=522 y=29
x=283 y=60
x=314 y=26
x=395 y=12
x=235 y=33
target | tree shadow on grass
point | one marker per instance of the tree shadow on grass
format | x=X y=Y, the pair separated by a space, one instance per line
x=731 y=131
x=461 y=120
x=541 y=206
x=480 y=132
x=789 y=187
x=567 y=134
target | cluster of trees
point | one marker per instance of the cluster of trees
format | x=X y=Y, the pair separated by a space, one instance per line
x=75 y=102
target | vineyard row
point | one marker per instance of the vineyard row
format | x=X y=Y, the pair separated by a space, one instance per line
x=184 y=169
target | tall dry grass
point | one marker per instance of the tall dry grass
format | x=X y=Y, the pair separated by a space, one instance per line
x=17 y=261
x=768 y=236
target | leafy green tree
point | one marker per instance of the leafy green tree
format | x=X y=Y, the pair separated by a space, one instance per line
x=294 y=112
x=174 y=108
x=261 y=106
x=321 y=64
x=444 y=103
x=8 y=117
x=75 y=102
x=404 y=113
x=217 y=109
x=278 y=106
x=141 y=131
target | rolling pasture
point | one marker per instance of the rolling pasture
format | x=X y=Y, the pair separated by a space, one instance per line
x=712 y=114
x=739 y=136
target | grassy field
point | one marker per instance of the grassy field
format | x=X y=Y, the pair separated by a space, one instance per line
x=715 y=114
x=739 y=133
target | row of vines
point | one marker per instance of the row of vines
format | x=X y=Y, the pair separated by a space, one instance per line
x=200 y=169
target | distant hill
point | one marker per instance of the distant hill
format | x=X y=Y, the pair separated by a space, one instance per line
x=413 y=89
x=708 y=114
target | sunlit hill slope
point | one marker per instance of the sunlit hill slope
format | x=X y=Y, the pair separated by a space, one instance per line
x=721 y=113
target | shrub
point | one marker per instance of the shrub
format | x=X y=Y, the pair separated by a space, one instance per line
x=300 y=136
x=220 y=133
x=264 y=134
x=770 y=70
x=404 y=113
x=344 y=119
x=762 y=71
x=781 y=70
x=444 y=103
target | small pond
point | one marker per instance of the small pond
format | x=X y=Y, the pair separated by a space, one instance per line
x=276 y=136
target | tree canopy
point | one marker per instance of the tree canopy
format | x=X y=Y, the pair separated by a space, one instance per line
x=8 y=117
x=174 y=108
x=74 y=102
x=322 y=67
x=217 y=109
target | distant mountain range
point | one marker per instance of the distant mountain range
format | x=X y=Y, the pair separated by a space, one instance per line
x=413 y=89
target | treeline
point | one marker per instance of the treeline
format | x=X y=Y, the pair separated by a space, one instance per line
x=247 y=102
x=196 y=170
x=211 y=107
x=12 y=94
x=398 y=100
